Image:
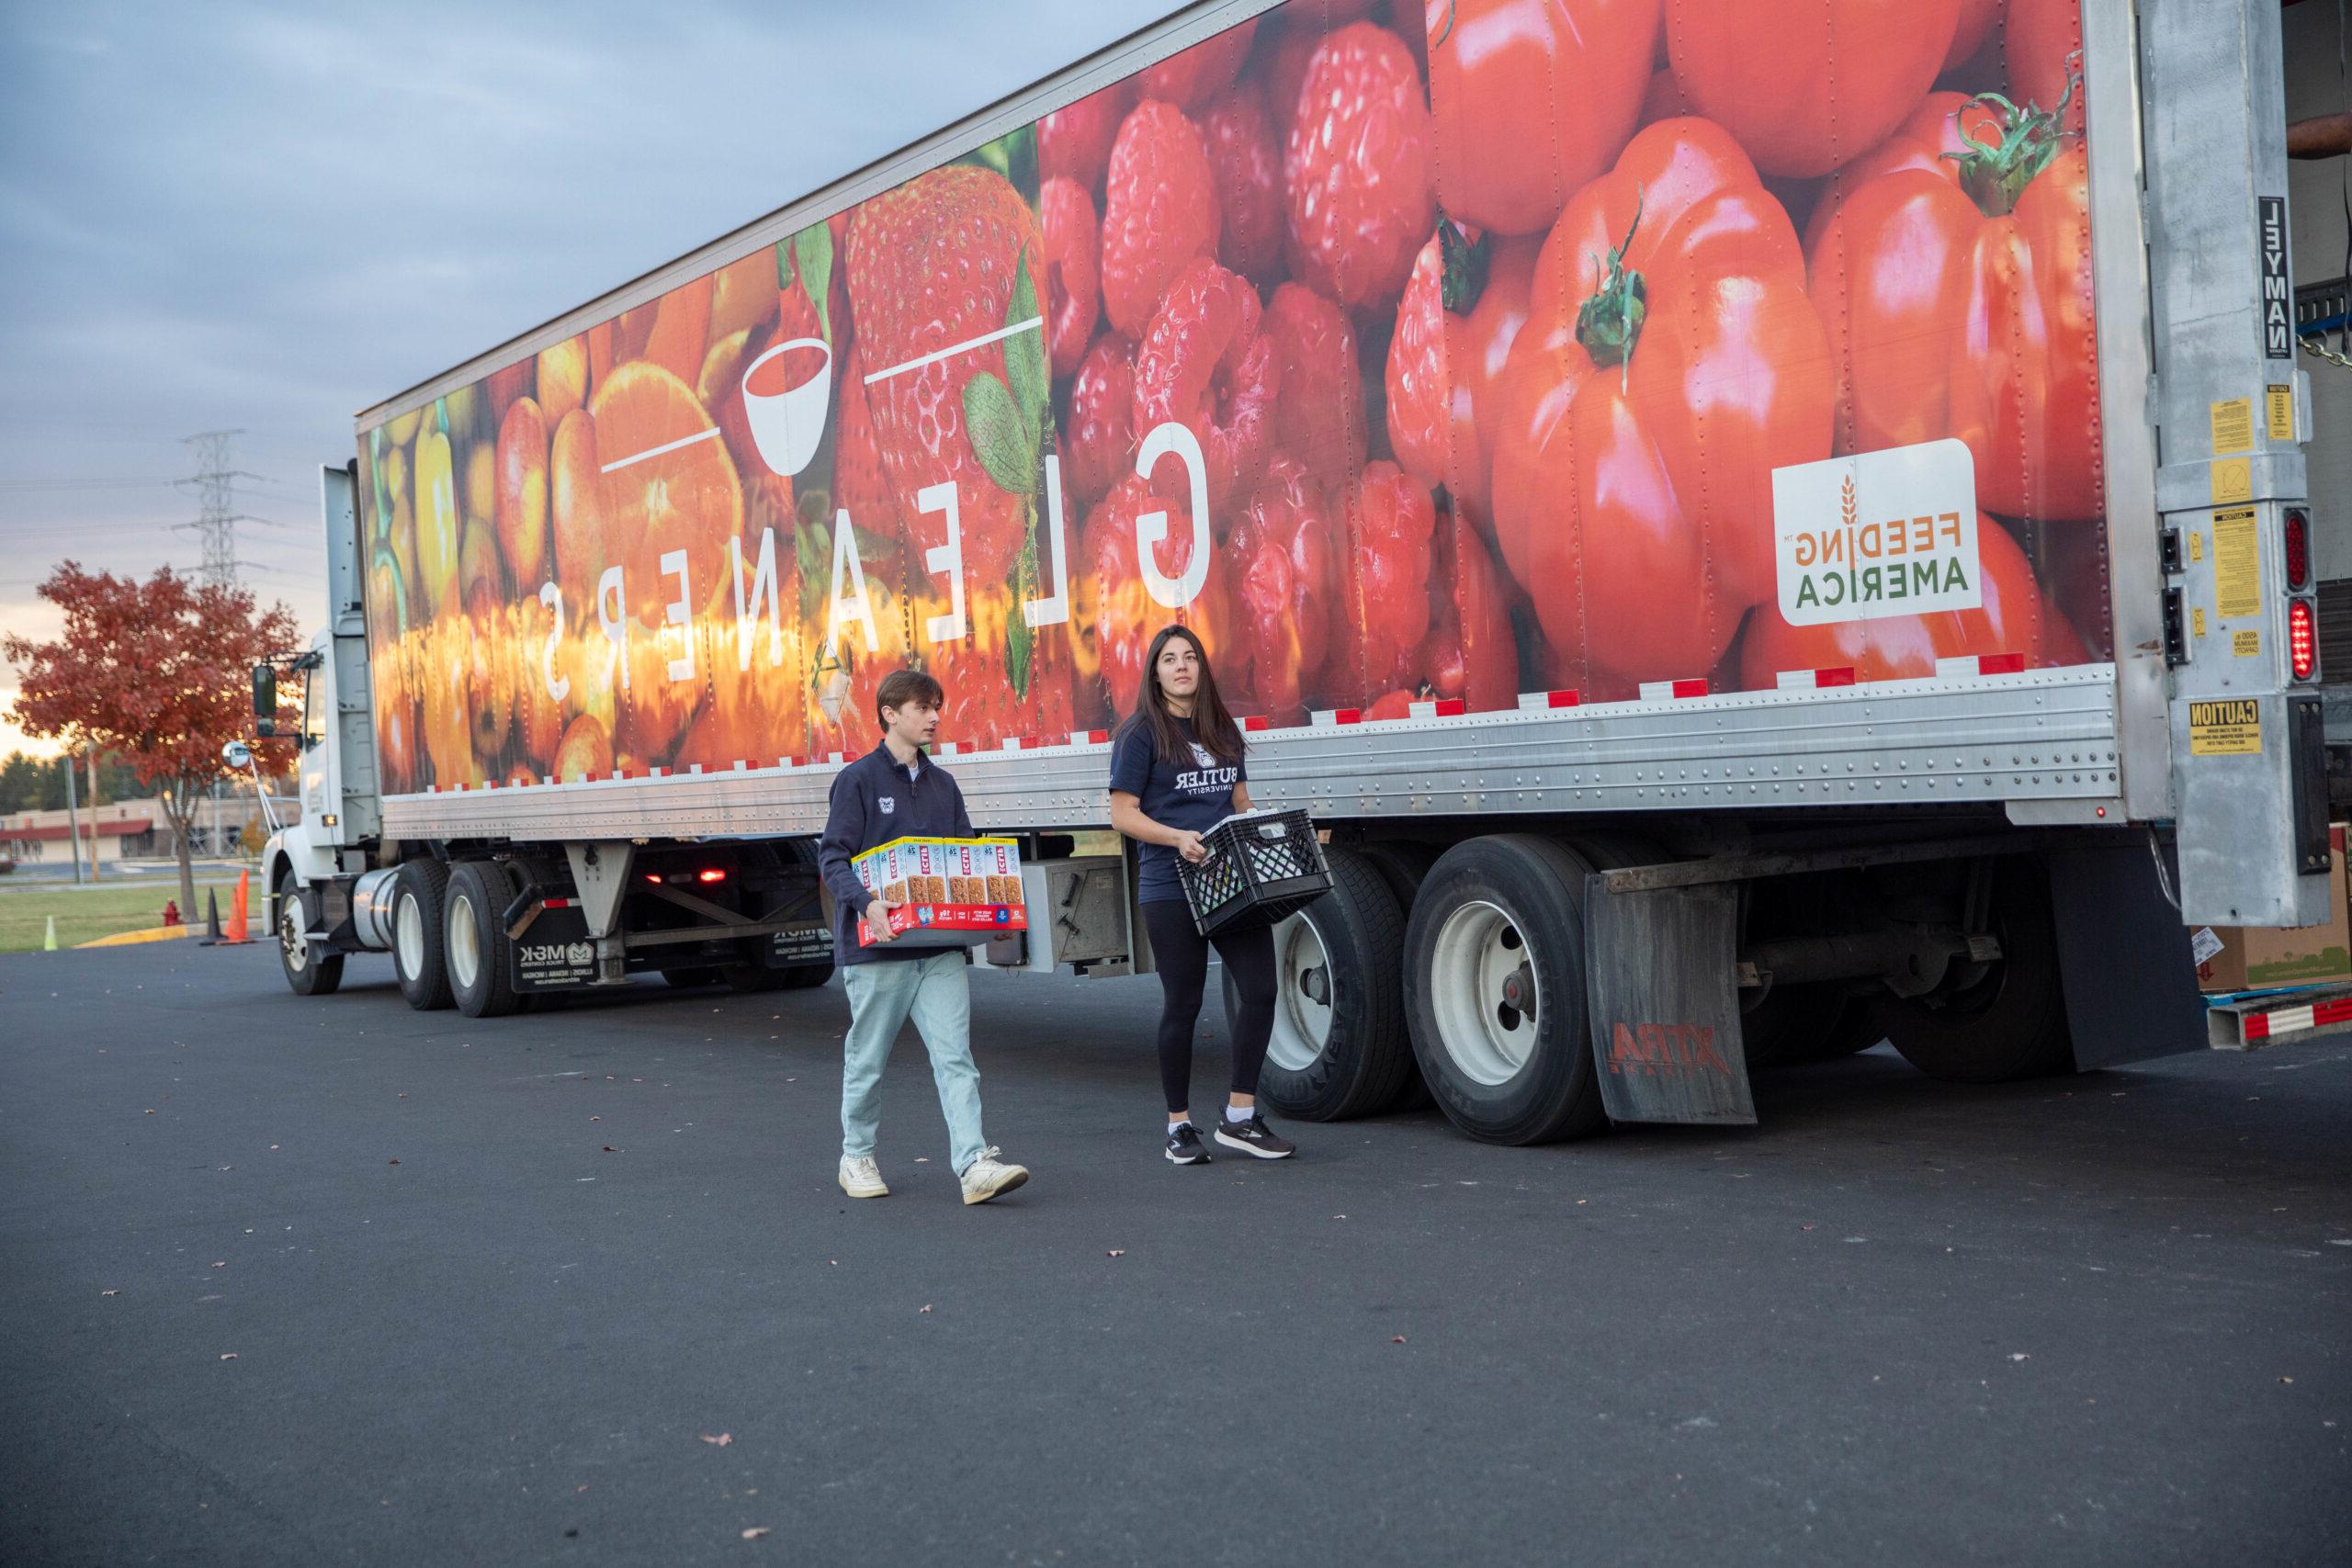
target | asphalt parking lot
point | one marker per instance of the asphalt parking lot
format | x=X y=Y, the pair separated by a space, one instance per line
x=329 y=1280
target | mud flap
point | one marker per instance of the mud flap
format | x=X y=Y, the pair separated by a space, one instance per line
x=1663 y=989
x=2124 y=955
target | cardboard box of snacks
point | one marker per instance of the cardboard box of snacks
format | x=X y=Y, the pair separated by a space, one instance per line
x=953 y=892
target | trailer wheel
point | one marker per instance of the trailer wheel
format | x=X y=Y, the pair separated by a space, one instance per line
x=419 y=956
x=751 y=978
x=1495 y=991
x=308 y=972
x=692 y=979
x=1405 y=865
x=1339 y=1048
x=2008 y=1020
x=481 y=980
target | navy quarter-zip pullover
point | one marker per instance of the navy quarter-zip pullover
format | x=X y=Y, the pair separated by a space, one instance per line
x=875 y=801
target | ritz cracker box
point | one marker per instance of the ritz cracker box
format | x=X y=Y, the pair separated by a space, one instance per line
x=949 y=892
x=2254 y=958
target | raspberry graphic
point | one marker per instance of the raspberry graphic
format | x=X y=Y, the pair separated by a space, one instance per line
x=1074 y=143
x=1247 y=163
x=1391 y=527
x=1072 y=293
x=1158 y=211
x=1357 y=167
x=1202 y=71
x=1320 y=420
x=1098 y=441
x=1204 y=363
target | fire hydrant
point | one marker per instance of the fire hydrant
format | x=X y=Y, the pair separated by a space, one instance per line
x=171 y=911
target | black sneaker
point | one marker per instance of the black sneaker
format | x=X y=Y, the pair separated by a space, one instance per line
x=1184 y=1146
x=1254 y=1137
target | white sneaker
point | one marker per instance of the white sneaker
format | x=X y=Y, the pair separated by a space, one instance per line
x=860 y=1177
x=987 y=1177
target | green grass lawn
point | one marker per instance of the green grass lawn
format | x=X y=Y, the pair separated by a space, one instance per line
x=87 y=912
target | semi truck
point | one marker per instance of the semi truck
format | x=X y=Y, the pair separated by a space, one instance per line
x=1751 y=533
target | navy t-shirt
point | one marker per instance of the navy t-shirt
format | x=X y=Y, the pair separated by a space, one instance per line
x=1195 y=795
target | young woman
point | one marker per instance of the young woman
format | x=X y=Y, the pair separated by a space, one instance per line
x=1176 y=771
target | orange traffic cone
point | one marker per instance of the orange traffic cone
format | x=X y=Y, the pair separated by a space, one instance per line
x=239 y=915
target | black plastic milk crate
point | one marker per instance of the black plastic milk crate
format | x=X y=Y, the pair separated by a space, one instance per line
x=1260 y=868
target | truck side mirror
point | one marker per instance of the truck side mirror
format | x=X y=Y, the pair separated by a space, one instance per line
x=265 y=700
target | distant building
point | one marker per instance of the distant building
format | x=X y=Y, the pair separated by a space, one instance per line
x=128 y=829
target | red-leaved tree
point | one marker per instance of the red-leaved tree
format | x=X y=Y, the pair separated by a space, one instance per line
x=159 y=673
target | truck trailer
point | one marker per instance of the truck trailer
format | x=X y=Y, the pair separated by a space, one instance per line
x=1751 y=532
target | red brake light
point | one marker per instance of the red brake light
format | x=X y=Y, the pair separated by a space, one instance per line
x=2298 y=547
x=2302 y=640
x=714 y=874
x=654 y=879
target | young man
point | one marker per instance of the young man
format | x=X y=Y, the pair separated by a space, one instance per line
x=897 y=792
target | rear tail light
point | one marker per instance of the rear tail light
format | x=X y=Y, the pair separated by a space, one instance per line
x=714 y=874
x=2298 y=547
x=2302 y=640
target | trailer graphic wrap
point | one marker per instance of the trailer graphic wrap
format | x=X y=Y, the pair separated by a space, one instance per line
x=1404 y=351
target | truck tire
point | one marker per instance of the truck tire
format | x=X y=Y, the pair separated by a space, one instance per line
x=420 y=959
x=481 y=980
x=2010 y=1021
x=751 y=978
x=1792 y=1023
x=308 y=972
x=1405 y=865
x=692 y=979
x=1495 y=991
x=1339 y=1048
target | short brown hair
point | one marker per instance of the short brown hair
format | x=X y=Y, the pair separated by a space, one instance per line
x=900 y=687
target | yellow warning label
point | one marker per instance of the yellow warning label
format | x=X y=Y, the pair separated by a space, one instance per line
x=2233 y=479
x=2230 y=727
x=2246 y=645
x=2197 y=621
x=2233 y=425
x=2196 y=546
x=2237 y=565
x=2279 y=403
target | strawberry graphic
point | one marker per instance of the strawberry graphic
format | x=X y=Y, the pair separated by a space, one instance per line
x=860 y=487
x=950 y=256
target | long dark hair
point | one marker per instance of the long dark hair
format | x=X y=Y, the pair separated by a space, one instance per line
x=1213 y=727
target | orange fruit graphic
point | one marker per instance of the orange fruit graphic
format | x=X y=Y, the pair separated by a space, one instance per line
x=675 y=490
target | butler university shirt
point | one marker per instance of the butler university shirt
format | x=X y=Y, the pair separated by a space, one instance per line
x=1194 y=794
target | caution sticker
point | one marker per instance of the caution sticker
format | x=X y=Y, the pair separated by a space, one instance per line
x=2233 y=425
x=2233 y=479
x=2226 y=727
x=2196 y=547
x=2196 y=620
x=2279 y=403
x=2245 y=644
x=2237 y=565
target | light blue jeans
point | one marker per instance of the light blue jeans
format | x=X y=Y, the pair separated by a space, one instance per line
x=882 y=996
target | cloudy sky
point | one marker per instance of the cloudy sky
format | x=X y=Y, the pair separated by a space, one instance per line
x=267 y=217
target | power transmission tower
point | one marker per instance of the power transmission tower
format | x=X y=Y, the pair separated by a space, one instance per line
x=216 y=524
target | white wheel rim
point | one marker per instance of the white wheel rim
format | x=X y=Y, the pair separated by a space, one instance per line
x=1302 y=1022
x=291 y=944
x=408 y=932
x=464 y=943
x=1485 y=993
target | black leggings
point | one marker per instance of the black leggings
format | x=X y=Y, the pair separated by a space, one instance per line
x=1182 y=956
